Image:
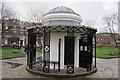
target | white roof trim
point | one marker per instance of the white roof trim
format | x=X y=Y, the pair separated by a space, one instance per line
x=62 y=16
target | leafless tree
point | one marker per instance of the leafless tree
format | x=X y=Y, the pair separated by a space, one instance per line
x=7 y=17
x=35 y=17
x=111 y=23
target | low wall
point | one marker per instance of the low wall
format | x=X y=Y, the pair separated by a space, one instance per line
x=105 y=45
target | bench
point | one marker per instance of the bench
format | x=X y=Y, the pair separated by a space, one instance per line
x=53 y=62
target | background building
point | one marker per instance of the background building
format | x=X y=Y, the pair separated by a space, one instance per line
x=17 y=34
x=105 y=40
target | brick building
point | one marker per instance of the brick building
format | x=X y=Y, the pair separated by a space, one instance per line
x=105 y=40
x=17 y=34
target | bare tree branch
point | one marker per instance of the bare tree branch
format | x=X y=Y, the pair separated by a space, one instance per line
x=35 y=17
x=111 y=21
x=7 y=17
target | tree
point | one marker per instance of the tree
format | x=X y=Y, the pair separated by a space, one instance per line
x=111 y=23
x=35 y=17
x=7 y=18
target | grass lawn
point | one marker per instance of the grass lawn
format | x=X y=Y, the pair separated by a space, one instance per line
x=39 y=50
x=102 y=52
x=11 y=53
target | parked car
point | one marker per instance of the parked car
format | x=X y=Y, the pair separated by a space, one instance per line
x=17 y=46
x=118 y=43
x=5 y=45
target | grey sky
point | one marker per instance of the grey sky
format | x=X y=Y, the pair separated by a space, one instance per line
x=91 y=11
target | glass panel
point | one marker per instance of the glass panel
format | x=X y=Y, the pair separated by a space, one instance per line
x=85 y=48
x=81 y=48
x=61 y=9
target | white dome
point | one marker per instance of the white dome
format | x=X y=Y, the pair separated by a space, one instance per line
x=62 y=14
x=61 y=9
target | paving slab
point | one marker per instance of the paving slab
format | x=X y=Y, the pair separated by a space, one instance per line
x=107 y=68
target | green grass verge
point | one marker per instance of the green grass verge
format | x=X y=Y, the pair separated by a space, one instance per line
x=39 y=50
x=11 y=53
x=103 y=52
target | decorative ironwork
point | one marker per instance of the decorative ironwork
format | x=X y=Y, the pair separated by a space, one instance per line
x=46 y=54
x=85 y=51
x=81 y=29
x=59 y=52
x=46 y=68
x=70 y=29
x=89 y=67
x=70 y=69
x=46 y=48
x=39 y=34
x=38 y=30
x=45 y=33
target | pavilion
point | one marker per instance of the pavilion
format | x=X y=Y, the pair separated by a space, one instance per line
x=66 y=43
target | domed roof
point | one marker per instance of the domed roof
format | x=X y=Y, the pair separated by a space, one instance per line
x=62 y=16
x=61 y=9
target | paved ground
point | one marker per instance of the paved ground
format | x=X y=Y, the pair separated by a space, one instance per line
x=107 y=68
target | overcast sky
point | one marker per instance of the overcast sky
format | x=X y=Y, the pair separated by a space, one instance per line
x=91 y=11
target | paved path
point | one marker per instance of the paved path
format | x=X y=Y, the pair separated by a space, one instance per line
x=107 y=68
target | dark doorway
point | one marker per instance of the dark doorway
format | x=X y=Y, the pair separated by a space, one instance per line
x=21 y=43
x=85 y=52
x=69 y=50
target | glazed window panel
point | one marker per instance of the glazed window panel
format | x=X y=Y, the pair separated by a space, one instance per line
x=85 y=47
x=81 y=48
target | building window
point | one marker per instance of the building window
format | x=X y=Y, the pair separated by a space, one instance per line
x=100 y=39
x=14 y=31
